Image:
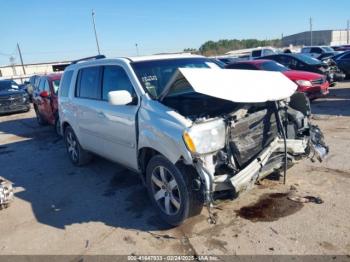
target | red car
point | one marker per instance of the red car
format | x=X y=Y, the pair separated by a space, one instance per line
x=45 y=100
x=312 y=84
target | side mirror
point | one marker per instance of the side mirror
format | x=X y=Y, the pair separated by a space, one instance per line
x=44 y=94
x=119 y=98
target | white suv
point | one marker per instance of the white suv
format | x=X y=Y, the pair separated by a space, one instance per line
x=188 y=127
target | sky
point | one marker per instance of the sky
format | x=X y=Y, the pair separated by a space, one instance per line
x=62 y=30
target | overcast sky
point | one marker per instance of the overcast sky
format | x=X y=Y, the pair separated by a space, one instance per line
x=59 y=30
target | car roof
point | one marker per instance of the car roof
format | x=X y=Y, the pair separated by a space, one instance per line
x=162 y=57
x=254 y=62
x=129 y=59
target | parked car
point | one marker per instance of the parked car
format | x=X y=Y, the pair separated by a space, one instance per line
x=343 y=62
x=307 y=63
x=316 y=51
x=312 y=84
x=45 y=100
x=12 y=98
x=188 y=127
x=260 y=52
x=341 y=48
x=31 y=85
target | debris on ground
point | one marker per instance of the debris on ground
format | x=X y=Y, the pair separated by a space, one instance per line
x=6 y=193
x=306 y=199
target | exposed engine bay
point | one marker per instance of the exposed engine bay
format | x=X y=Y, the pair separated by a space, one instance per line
x=260 y=138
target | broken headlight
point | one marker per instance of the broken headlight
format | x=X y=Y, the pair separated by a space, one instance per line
x=206 y=137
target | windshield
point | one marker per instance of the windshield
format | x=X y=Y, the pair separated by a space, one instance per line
x=6 y=85
x=273 y=66
x=55 y=85
x=154 y=75
x=308 y=59
x=328 y=49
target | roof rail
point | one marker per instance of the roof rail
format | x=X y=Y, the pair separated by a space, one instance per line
x=88 y=58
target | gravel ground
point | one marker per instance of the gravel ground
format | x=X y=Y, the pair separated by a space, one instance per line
x=103 y=208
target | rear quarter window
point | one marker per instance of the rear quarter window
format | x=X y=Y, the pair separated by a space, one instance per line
x=65 y=83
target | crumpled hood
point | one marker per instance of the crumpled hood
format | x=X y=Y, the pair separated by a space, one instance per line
x=241 y=86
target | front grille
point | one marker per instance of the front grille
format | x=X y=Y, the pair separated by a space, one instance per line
x=10 y=100
x=319 y=81
x=249 y=136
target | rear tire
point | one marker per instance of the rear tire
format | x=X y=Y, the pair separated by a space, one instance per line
x=58 y=127
x=76 y=153
x=39 y=118
x=170 y=189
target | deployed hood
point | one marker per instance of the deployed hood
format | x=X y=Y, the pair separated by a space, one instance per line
x=241 y=86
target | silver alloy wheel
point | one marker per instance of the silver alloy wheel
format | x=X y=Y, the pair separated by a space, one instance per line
x=165 y=190
x=72 y=146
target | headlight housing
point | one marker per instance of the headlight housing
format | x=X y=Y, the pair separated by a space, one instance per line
x=25 y=97
x=206 y=137
x=304 y=83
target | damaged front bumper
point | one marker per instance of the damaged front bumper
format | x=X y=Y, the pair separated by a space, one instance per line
x=264 y=164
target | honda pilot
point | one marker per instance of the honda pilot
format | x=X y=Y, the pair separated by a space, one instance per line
x=186 y=126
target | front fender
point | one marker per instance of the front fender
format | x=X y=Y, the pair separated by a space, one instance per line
x=162 y=131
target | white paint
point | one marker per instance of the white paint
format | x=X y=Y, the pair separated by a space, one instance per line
x=243 y=86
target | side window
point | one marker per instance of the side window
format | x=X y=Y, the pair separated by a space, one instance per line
x=115 y=79
x=284 y=60
x=256 y=53
x=41 y=85
x=268 y=52
x=46 y=86
x=306 y=50
x=66 y=80
x=88 y=84
x=316 y=50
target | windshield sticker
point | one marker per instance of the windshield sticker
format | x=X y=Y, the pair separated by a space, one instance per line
x=149 y=78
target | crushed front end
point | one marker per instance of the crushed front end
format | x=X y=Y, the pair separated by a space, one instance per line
x=259 y=139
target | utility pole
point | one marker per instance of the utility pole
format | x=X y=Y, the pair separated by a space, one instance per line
x=20 y=56
x=348 y=32
x=137 y=49
x=311 y=40
x=93 y=22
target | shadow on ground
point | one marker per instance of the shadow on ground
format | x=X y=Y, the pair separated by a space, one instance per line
x=61 y=194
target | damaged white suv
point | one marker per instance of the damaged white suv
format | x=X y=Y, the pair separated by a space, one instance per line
x=188 y=127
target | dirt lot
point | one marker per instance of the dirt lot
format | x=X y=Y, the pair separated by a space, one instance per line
x=103 y=209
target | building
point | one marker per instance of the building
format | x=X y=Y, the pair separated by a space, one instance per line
x=322 y=37
x=16 y=71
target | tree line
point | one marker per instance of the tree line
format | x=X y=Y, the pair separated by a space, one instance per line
x=212 y=48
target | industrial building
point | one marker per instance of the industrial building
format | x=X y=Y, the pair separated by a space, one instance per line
x=19 y=72
x=321 y=37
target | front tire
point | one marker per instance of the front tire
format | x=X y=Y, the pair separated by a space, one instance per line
x=171 y=192
x=76 y=153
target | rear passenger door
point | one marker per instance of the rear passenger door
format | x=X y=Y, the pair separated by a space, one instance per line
x=119 y=122
x=88 y=102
